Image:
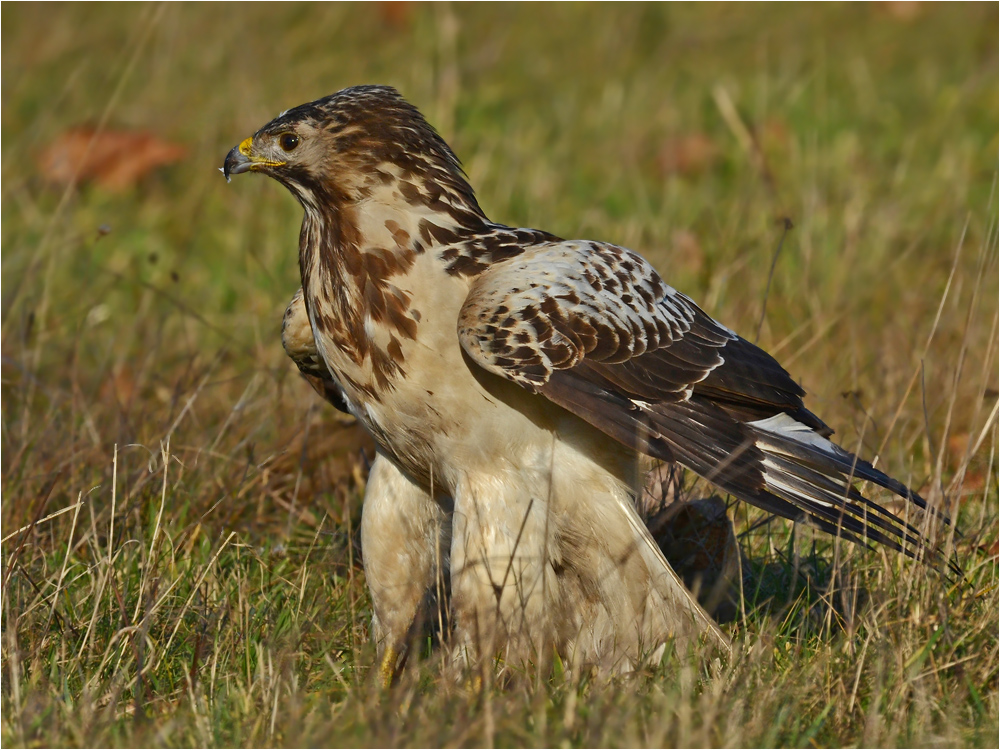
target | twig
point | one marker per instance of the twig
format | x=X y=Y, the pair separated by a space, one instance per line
x=786 y=225
x=46 y=493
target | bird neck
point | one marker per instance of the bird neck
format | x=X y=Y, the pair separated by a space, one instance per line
x=351 y=257
x=330 y=258
x=358 y=231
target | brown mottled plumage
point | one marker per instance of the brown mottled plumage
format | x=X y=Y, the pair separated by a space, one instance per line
x=300 y=346
x=510 y=378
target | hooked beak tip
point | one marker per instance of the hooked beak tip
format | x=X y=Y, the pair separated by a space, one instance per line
x=236 y=163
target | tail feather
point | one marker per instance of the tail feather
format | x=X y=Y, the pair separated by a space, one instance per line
x=783 y=463
x=816 y=476
x=786 y=435
x=788 y=468
x=834 y=491
x=809 y=493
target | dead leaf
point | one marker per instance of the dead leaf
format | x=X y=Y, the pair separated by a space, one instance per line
x=902 y=10
x=958 y=444
x=687 y=154
x=120 y=385
x=974 y=466
x=395 y=14
x=685 y=251
x=113 y=159
x=774 y=134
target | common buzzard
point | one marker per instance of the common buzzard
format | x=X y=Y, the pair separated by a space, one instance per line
x=510 y=379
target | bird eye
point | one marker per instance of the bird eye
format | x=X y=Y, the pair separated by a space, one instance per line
x=288 y=141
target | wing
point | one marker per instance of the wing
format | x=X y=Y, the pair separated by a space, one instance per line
x=593 y=328
x=300 y=346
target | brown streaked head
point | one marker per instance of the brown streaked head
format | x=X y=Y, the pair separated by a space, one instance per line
x=331 y=147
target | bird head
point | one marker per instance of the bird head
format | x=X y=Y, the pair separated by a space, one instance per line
x=338 y=148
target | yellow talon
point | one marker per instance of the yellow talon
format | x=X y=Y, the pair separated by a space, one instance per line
x=387 y=668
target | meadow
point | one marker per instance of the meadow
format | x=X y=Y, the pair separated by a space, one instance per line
x=179 y=509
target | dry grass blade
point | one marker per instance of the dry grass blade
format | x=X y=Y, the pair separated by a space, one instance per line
x=202 y=585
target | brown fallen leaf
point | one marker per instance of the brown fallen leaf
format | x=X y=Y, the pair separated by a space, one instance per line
x=120 y=385
x=902 y=10
x=958 y=445
x=687 y=154
x=774 y=134
x=113 y=159
x=685 y=251
x=395 y=14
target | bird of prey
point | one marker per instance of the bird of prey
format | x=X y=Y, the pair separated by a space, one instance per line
x=510 y=379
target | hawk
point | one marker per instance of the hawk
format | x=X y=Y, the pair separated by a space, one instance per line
x=511 y=380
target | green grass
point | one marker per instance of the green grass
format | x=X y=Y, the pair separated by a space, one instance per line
x=203 y=585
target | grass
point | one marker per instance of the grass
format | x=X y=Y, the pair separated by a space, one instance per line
x=180 y=564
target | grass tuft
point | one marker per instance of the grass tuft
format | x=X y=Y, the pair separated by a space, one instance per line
x=179 y=549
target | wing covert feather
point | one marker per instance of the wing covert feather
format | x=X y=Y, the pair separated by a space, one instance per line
x=594 y=329
x=559 y=304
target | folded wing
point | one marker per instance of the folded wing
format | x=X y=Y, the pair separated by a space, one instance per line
x=593 y=328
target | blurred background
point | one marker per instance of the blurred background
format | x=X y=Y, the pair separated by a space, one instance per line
x=146 y=396
x=134 y=277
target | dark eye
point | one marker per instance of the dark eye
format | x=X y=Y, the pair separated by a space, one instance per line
x=288 y=141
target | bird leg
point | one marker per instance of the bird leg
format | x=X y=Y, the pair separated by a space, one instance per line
x=401 y=542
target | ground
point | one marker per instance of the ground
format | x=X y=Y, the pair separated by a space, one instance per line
x=202 y=584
